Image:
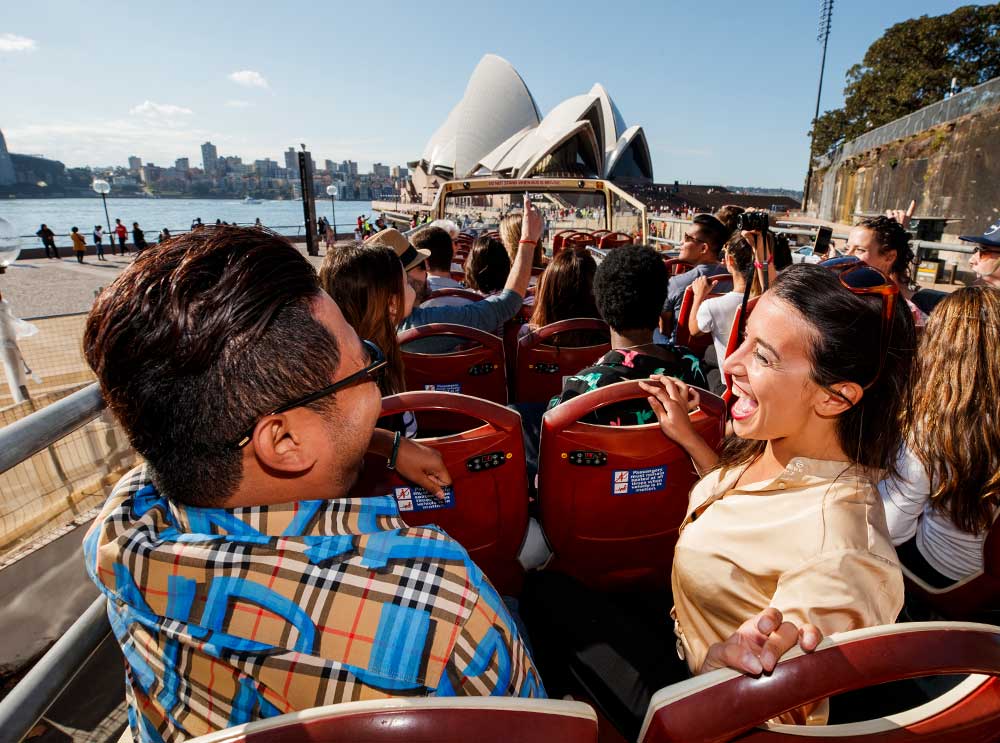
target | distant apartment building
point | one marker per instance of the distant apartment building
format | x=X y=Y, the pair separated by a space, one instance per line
x=291 y=160
x=399 y=172
x=134 y=163
x=150 y=173
x=210 y=158
x=380 y=171
x=182 y=164
x=266 y=168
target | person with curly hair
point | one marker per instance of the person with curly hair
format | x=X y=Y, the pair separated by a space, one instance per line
x=630 y=287
x=884 y=243
x=942 y=503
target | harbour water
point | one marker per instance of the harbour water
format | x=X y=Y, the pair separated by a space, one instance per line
x=153 y=215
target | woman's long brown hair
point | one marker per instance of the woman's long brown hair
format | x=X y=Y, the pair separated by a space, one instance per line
x=954 y=426
x=566 y=289
x=362 y=281
x=510 y=235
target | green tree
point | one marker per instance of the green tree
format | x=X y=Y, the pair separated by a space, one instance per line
x=912 y=66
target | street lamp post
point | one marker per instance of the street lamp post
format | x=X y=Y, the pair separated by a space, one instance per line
x=825 y=23
x=331 y=191
x=104 y=188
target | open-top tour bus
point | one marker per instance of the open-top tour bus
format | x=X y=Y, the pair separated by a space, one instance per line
x=587 y=210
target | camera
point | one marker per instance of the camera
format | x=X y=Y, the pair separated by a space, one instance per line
x=752 y=221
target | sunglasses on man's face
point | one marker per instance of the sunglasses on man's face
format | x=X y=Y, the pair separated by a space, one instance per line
x=860 y=278
x=985 y=252
x=370 y=373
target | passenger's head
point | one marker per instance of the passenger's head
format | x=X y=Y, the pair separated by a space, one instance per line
x=703 y=240
x=728 y=214
x=781 y=253
x=985 y=262
x=630 y=287
x=369 y=285
x=414 y=259
x=488 y=265
x=812 y=347
x=75 y=229
x=438 y=243
x=510 y=234
x=955 y=424
x=739 y=259
x=448 y=226
x=194 y=344
x=882 y=243
x=566 y=289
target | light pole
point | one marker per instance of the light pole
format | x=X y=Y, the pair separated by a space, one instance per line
x=104 y=188
x=825 y=23
x=331 y=191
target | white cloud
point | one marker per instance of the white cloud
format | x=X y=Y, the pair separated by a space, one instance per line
x=149 y=108
x=15 y=43
x=237 y=104
x=248 y=78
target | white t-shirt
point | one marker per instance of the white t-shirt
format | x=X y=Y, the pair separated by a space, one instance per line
x=715 y=316
x=954 y=553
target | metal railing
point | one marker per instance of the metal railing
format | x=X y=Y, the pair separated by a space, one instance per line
x=27 y=702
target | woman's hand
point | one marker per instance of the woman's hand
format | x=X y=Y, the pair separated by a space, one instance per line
x=672 y=400
x=758 y=644
x=422 y=466
x=701 y=288
x=532 y=224
x=763 y=245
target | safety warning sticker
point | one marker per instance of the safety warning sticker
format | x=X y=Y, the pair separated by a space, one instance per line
x=629 y=482
x=443 y=387
x=412 y=498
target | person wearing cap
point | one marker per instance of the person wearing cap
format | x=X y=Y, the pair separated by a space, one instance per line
x=985 y=261
x=487 y=314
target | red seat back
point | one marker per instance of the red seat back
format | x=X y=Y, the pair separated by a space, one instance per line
x=675 y=266
x=697 y=344
x=579 y=239
x=541 y=366
x=479 y=370
x=469 y=294
x=424 y=720
x=689 y=711
x=614 y=240
x=559 y=241
x=734 y=343
x=487 y=511
x=974 y=598
x=458 y=276
x=613 y=498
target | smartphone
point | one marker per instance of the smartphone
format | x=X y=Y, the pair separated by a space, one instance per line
x=822 y=244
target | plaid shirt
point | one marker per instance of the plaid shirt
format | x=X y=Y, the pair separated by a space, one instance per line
x=231 y=615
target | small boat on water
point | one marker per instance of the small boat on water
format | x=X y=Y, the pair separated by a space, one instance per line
x=251 y=200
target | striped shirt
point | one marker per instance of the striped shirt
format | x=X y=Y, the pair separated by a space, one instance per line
x=231 y=615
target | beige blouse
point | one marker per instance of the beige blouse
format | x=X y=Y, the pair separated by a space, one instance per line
x=812 y=542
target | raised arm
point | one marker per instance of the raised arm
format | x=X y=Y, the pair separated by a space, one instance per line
x=531 y=232
x=672 y=401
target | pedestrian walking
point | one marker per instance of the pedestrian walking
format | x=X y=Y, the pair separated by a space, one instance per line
x=164 y=235
x=48 y=238
x=79 y=244
x=122 y=232
x=138 y=238
x=99 y=242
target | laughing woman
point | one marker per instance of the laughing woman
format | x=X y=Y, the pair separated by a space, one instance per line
x=788 y=516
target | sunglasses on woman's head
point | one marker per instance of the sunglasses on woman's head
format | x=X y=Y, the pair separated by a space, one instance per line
x=371 y=372
x=860 y=278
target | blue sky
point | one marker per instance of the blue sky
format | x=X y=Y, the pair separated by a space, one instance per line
x=724 y=90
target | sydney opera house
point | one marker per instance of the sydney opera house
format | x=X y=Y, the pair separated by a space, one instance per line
x=497 y=130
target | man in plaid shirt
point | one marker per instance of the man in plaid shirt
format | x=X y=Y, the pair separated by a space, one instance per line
x=242 y=581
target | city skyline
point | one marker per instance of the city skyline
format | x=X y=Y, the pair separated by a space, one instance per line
x=723 y=99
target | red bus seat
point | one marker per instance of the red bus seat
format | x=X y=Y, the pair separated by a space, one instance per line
x=976 y=597
x=699 y=344
x=472 y=296
x=613 y=498
x=614 y=240
x=559 y=240
x=477 y=368
x=540 y=366
x=601 y=233
x=579 y=239
x=488 y=510
x=693 y=710
x=458 y=276
x=675 y=266
x=733 y=344
x=424 y=720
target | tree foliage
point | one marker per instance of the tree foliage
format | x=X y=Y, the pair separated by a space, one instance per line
x=912 y=66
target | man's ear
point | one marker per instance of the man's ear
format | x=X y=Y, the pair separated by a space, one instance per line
x=280 y=444
x=838 y=398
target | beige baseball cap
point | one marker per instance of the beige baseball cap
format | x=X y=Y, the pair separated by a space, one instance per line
x=410 y=256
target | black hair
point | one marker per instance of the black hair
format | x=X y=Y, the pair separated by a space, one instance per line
x=488 y=265
x=196 y=340
x=438 y=242
x=890 y=235
x=713 y=231
x=846 y=346
x=630 y=287
x=781 y=254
